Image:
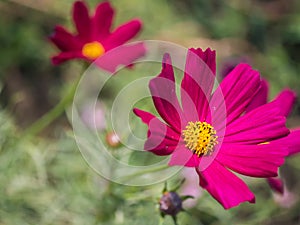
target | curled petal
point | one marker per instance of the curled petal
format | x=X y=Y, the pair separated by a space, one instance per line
x=163 y=93
x=276 y=184
x=162 y=140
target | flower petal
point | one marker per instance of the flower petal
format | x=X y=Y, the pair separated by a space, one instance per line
x=198 y=80
x=238 y=90
x=184 y=157
x=276 y=184
x=224 y=186
x=261 y=96
x=292 y=141
x=162 y=140
x=123 y=55
x=64 y=40
x=122 y=34
x=163 y=93
x=260 y=125
x=82 y=20
x=64 y=56
x=285 y=101
x=102 y=21
x=253 y=160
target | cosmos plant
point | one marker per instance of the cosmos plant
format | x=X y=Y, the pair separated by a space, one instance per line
x=198 y=130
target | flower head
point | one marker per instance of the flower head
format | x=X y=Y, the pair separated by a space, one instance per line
x=210 y=131
x=94 y=37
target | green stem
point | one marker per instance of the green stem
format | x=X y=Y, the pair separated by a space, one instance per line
x=54 y=113
x=161 y=220
x=155 y=169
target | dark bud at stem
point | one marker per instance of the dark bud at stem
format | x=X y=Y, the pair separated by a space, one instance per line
x=170 y=204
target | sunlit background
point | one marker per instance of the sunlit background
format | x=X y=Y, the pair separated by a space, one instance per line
x=46 y=180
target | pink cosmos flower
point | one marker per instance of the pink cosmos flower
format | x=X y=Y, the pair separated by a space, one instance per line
x=94 y=37
x=198 y=133
x=285 y=100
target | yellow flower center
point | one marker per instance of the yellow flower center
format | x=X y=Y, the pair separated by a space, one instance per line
x=200 y=138
x=93 y=50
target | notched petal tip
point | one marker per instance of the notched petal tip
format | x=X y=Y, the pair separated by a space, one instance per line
x=200 y=50
x=105 y=4
x=208 y=56
x=79 y=4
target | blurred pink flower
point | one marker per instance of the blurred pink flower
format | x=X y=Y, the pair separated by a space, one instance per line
x=93 y=115
x=94 y=37
x=287 y=199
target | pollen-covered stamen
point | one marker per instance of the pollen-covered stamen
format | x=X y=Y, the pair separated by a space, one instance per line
x=93 y=50
x=200 y=138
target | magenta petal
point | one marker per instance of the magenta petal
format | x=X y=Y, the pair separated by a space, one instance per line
x=162 y=140
x=238 y=89
x=64 y=56
x=184 y=157
x=253 y=160
x=285 y=101
x=64 y=40
x=146 y=117
x=276 y=184
x=292 y=141
x=122 y=34
x=102 y=21
x=123 y=55
x=82 y=20
x=198 y=80
x=261 y=96
x=260 y=125
x=163 y=93
x=224 y=186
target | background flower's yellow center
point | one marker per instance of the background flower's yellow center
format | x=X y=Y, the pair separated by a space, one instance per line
x=93 y=50
x=200 y=138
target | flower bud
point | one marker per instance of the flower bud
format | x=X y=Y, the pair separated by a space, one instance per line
x=112 y=139
x=170 y=203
